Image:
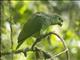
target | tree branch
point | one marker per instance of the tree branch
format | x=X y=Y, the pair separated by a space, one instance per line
x=64 y=44
x=15 y=52
x=38 y=40
x=43 y=36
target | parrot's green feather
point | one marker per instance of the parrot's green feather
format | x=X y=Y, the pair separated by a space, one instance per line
x=34 y=25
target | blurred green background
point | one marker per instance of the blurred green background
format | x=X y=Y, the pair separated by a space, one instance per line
x=14 y=14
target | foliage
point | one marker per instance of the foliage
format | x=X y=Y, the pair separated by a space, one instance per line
x=16 y=13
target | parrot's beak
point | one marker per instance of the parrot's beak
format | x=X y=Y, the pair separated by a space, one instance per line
x=60 y=24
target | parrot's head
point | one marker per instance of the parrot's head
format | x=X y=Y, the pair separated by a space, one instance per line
x=56 y=20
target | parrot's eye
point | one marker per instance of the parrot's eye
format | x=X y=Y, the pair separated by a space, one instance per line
x=60 y=19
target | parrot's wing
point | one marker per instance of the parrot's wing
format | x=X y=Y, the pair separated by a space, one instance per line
x=31 y=27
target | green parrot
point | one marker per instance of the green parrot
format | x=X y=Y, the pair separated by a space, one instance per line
x=37 y=23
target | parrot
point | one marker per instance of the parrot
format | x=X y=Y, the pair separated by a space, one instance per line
x=37 y=23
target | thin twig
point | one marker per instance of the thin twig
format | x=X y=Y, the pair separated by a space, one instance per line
x=11 y=34
x=10 y=21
